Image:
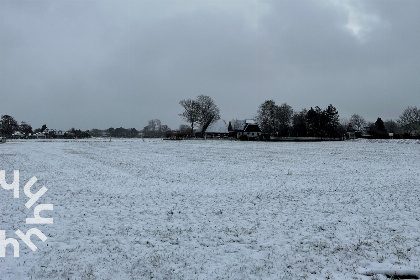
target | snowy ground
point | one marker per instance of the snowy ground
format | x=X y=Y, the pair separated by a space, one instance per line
x=216 y=209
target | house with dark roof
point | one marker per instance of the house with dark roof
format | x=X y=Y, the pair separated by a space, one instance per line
x=245 y=130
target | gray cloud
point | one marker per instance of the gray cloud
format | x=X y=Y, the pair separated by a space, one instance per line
x=120 y=63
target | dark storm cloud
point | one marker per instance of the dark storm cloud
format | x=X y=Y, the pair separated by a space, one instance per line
x=120 y=63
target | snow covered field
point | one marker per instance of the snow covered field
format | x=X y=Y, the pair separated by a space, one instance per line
x=133 y=209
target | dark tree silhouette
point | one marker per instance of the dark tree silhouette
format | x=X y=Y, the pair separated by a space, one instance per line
x=266 y=117
x=299 y=127
x=25 y=128
x=313 y=120
x=191 y=112
x=202 y=112
x=409 y=121
x=209 y=112
x=8 y=126
x=378 y=130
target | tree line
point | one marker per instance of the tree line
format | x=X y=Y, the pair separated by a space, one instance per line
x=406 y=126
x=10 y=128
x=282 y=121
x=154 y=129
x=274 y=121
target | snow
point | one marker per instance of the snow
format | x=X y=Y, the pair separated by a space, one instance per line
x=218 y=126
x=133 y=209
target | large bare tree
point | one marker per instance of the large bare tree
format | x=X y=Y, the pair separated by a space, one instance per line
x=155 y=128
x=191 y=112
x=357 y=122
x=209 y=112
x=202 y=112
x=410 y=120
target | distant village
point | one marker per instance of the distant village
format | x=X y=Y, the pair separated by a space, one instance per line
x=272 y=122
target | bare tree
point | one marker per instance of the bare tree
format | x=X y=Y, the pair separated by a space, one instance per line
x=155 y=128
x=209 y=112
x=202 y=112
x=410 y=120
x=357 y=122
x=191 y=112
x=237 y=124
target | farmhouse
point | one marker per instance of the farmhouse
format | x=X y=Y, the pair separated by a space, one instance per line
x=39 y=135
x=60 y=133
x=18 y=135
x=218 y=129
x=245 y=130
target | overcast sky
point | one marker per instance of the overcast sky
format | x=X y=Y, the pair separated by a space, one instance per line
x=113 y=63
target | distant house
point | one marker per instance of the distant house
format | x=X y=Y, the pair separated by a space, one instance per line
x=39 y=135
x=59 y=133
x=18 y=135
x=218 y=129
x=69 y=134
x=245 y=130
x=351 y=135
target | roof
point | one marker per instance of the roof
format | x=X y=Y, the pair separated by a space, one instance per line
x=219 y=126
x=252 y=128
x=245 y=125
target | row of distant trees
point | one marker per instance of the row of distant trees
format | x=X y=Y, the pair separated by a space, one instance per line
x=154 y=129
x=199 y=112
x=119 y=132
x=407 y=125
x=282 y=120
x=273 y=120
x=9 y=127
